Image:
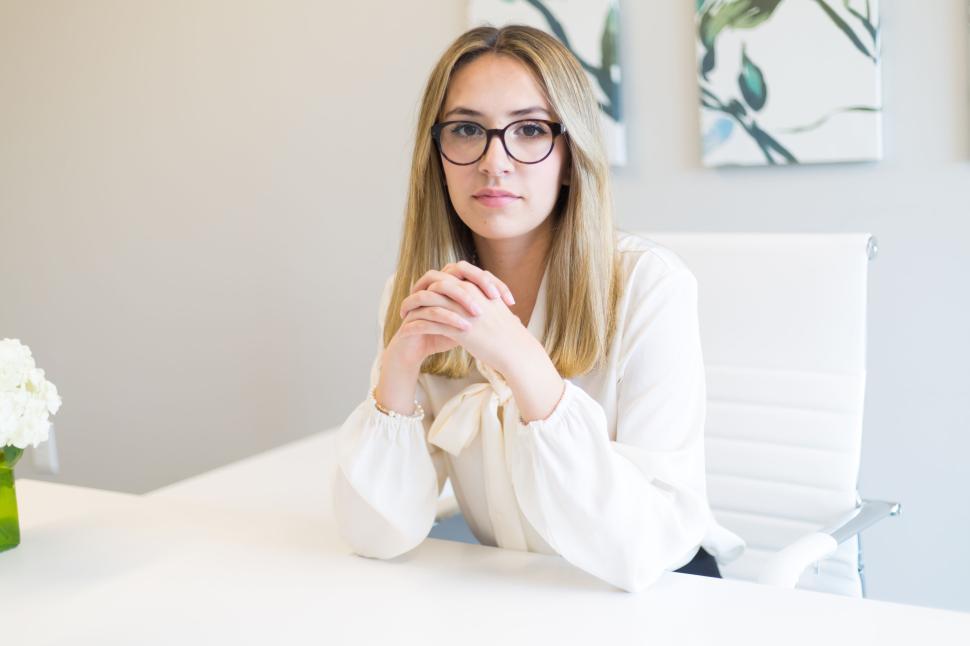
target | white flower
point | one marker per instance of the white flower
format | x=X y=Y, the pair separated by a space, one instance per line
x=26 y=397
x=15 y=362
x=11 y=408
x=44 y=390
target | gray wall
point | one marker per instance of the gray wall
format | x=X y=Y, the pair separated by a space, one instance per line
x=199 y=202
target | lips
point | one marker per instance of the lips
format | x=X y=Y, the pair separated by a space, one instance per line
x=493 y=192
x=496 y=201
x=495 y=197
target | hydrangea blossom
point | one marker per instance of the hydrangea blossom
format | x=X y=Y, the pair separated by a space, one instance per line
x=26 y=397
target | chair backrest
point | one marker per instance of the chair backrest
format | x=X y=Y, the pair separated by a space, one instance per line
x=783 y=330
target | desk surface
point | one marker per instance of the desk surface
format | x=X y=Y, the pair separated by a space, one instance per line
x=249 y=554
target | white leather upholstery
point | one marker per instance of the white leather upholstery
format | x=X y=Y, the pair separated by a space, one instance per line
x=783 y=328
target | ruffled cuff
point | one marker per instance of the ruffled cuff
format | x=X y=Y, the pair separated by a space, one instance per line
x=555 y=417
x=417 y=415
x=369 y=424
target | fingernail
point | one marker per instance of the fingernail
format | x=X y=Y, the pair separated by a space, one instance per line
x=511 y=298
x=476 y=310
x=493 y=291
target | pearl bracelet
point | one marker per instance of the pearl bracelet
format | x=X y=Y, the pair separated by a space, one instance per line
x=418 y=410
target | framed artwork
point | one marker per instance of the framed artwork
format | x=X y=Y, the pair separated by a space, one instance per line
x=789 y=81
x=589 y=29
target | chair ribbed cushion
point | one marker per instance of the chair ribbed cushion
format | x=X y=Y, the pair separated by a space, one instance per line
x=782 y=320
x=782 y=453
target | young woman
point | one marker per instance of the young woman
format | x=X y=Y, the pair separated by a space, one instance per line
x=547 y=364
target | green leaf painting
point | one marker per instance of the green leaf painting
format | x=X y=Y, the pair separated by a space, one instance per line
x=716 y=15
x=752 y=83
x=789 y=81
x=573 y=22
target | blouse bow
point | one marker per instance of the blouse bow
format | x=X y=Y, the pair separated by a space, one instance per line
x=476 y=409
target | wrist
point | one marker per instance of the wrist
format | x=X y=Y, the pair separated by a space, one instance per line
x=396 y=386
x=536 y=385
x=394 y=363
x=521 y=358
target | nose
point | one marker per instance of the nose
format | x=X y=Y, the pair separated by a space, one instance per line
x=495 y=161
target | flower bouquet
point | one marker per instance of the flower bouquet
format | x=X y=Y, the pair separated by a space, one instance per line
x=26 y=401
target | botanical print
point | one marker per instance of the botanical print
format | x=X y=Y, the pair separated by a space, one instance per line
x=789 y=81
x=589 y=29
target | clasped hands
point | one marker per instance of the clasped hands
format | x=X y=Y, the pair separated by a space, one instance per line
x=463 y=305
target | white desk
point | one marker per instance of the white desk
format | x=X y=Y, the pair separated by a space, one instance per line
x=249 y=554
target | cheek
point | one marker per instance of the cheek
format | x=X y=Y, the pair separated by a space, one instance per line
x=554 y=166
x=549 y=179
x=458 y=178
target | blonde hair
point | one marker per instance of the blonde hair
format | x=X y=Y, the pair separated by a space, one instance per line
x=582 y=288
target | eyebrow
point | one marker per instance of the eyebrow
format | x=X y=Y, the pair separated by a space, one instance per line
x=515 y=113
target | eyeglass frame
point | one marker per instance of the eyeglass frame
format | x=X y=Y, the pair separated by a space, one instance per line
x=556 y=128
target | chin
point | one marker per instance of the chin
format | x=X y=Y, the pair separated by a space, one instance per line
x=501 y=233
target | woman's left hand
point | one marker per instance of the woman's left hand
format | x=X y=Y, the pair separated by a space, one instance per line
x=495 y=337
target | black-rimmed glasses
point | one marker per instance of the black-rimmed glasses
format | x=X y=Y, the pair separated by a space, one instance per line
x=528 y=141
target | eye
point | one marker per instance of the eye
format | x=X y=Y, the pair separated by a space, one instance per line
x=532 y=129
x=466 y=129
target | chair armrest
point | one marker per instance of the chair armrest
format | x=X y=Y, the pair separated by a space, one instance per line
x=784 y=567
x=867 y=514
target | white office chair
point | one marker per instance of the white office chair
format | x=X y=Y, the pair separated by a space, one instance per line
x=783 y=331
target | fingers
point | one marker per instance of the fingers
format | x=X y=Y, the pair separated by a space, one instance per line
x=486 y=280
x=429 y=277
x=423 y=318
x=422 y=326
x=427 y=298
x=460 y=292
x=491 y=286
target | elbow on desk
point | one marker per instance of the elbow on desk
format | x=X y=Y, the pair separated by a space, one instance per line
x=366 y=532
x=636 y=579
x=631 y=567
x=640 y=567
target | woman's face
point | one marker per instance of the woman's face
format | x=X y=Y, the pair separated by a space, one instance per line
x=493 y=91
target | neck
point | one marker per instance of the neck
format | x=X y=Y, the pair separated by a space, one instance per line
x=519 y=263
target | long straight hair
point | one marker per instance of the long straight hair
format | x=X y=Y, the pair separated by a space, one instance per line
x=582 y=287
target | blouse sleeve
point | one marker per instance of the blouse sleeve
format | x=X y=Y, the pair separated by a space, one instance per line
x=388 y=478
x=627 y=510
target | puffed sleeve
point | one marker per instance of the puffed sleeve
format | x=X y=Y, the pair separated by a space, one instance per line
x=627 y=510
x=388 y=477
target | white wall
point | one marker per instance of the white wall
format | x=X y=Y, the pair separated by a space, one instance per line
x=199 y=202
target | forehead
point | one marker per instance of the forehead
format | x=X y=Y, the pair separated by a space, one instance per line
x=495 y=85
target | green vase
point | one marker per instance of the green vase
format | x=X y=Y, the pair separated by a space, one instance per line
x=9 y=521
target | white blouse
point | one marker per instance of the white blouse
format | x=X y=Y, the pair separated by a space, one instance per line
x=613 y=480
